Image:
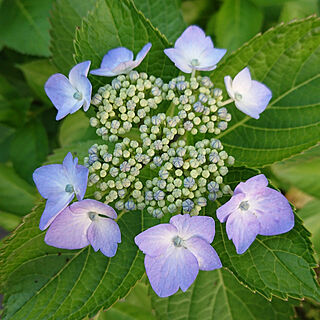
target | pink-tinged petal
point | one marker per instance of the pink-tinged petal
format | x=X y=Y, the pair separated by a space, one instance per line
x=179 y=59
x=103 y=72
x=50 y=179
x=60 y=92
x=242 y=81
x=104 y=235
x=143 y=52
x=54 y=206
x=273 y=211
x=196 y=226
x=156 y=240
x=90 y=205
x=209 y=59
x=242 y=228
x=178 y=267
x=68 y=230
x=116 y=56
x=252 y=185
x=228 y=84
x=207 y=257
x=229 y=207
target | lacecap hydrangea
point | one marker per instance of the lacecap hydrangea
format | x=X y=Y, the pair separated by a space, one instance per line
x=160 y=152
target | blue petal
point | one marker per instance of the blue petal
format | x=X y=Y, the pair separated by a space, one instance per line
x=54 y=206
x=207 y=257
x=210 y=58
x=179 y=59
x=242 y=228
x=143 y=52
x=89 y=205
x=103 y=72
x=252 y=185
x=116 y=56
x=104 y=235
x=229 y=207
x=178 y=267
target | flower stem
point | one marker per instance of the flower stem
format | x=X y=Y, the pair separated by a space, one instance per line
x=226 y=102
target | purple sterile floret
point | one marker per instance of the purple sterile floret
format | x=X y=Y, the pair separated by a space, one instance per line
x=59 y=183
x=176 y=251
x=120 y=61
x=83 y=223
x=250 y=96
x=69 y=95
x=193 y=50
x=255 y=209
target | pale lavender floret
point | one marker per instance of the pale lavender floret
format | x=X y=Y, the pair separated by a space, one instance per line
x=250 y=96
x=193 y=50
x=120 y=61
x=59 y=183
x=255 y=209
x=69 y=95
x=176 y=251
x=83 y=223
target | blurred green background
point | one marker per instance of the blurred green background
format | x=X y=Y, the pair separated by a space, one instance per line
x=29 y=131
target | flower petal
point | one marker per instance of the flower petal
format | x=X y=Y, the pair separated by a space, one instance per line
x=229 y=207
x=156 y=240
x=207 y=257
x=143 y=52
x=125 y=67
x=116 y=56
x=54 y=206
x=179 y=59
x=68 y=230
x=50 y=179
x=242 y=228
x=104 y=234
x=178 y=267
x=242 y=81
x=209 y=59
x=199 y=226
x=90 y=205
x=273 y=212
x=252 y=185
x=60 y=91
x=228 y=84
x=103 y=72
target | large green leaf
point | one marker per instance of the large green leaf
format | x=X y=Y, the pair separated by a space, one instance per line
x=66 y=16
x=116 y=23
x=217 y=295
x=273 y=265
x=287 y=60
x=299 y=9
x=24 y=25
x=69 y=284
x=164 y=15
x=16 y=196
x=29 y=149
x=302 y=172
x=235 y=23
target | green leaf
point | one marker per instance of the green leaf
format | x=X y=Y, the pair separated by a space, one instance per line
x=273 y=265
x=235 y=23
x=9 y=221
x=66 y=16
x=6 y=134
x=116 y=23
x=70 y=284
x=37 y=73
x=164 y=15
x=287 y=60
x=24 y=26
x=29 y=149
x=310 y=214
x=302 y=172
x=75 y=128
x=299 y=9
x=218 y=295
x=16 y=196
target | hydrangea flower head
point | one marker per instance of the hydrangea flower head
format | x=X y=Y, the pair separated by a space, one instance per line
x=83 y=223
x=59 y=183
x=250 y=96
x=255 y=209
x=176 y=251
x=193 y=50
x=69 y=95
x=120 y=61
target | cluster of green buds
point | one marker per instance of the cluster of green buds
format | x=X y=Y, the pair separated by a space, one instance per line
x=159 y=169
